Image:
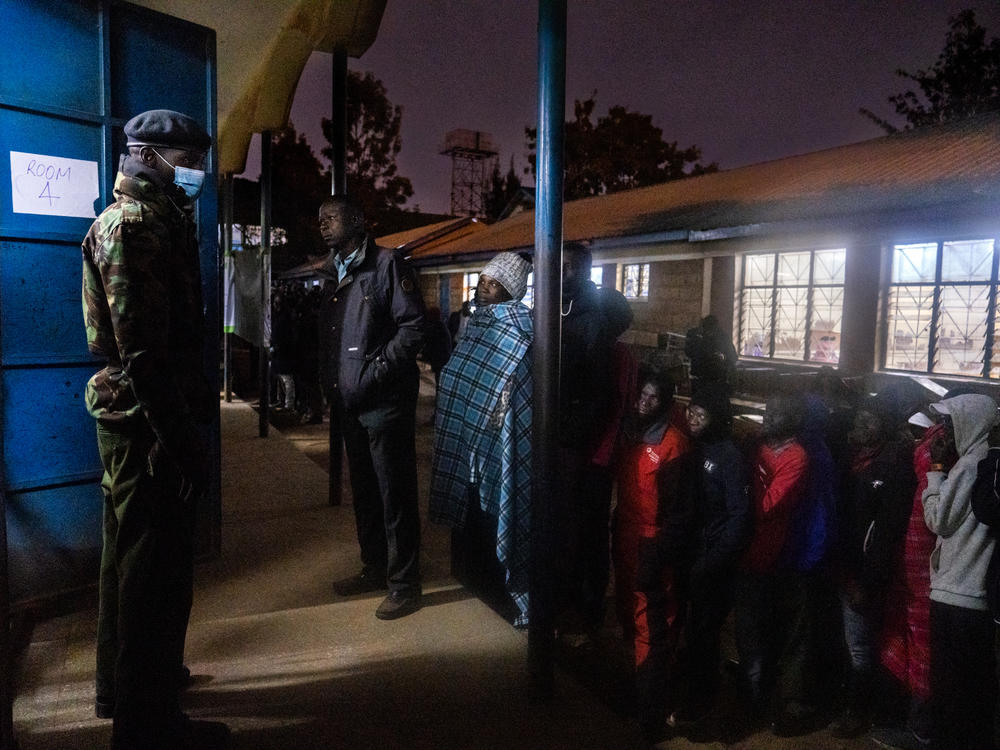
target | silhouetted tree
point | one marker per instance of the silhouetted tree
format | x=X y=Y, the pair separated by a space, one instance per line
x=298 y=185
x=502 y=190
x=964 y=81
x=623 y=150
x=373 y=143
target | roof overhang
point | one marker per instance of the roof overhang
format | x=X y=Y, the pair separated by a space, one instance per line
x=261 y=48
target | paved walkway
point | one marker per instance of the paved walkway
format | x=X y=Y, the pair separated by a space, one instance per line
x=290 y=665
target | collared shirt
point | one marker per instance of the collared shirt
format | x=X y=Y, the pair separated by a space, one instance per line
x=342 y=267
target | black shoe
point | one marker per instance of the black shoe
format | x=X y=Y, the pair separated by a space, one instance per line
x=850 y=724
x=104 y=706
x=203 y=735
x=794 y=721
x=398 y=604
x=365 y=582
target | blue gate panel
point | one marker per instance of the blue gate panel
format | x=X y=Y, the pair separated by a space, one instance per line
x=48 y=436
x=142 y=44
x=51 y=55
x=55 y=539
x=45 y=136
x=46 y=324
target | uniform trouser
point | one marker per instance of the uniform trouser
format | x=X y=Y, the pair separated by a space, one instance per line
x=651 y=615
x=963 y=677
x=381 y=455
x=145 y=588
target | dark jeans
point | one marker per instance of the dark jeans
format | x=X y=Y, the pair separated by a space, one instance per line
x=711 y=600
x=963 y=677
x=381 y=455
x=774 y=637
x=145 y=589
x=583 y=517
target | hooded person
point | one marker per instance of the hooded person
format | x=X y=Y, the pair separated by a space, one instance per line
x=723 y=527
x=481 y=469
x=963 y=674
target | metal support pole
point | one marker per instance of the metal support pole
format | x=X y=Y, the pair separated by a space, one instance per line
x=227 y=248
x=338 y=122
x=545 y=351
x=338 y=144
x=265 y=279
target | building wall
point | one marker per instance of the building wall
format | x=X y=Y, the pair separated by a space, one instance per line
x=674 y=304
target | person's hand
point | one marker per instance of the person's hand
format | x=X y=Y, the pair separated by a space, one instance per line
x=942 y=448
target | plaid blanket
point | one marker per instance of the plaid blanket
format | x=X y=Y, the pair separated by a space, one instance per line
x=483 y=435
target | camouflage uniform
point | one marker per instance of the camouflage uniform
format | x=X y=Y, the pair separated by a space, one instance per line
x=143 y=311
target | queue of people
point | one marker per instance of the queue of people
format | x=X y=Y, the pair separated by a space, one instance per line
x=865 y=552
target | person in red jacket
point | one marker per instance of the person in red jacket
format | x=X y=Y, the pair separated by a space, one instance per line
x=653 y=528
x=777 y=482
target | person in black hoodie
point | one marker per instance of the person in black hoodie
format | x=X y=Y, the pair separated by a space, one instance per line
x=724 y=520
x=875 y=510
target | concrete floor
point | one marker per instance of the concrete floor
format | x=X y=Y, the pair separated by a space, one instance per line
x=288 y=664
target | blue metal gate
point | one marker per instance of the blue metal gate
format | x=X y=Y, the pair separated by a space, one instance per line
x=71 y=74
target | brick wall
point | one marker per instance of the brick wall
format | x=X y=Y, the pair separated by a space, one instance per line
x=674 y=304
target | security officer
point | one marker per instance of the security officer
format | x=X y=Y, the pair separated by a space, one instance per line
x=143 y=311
x=371 y=324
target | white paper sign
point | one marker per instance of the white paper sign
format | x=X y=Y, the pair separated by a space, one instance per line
x=53 y=185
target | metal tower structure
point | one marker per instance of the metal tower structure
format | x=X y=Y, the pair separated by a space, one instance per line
x=473 y=156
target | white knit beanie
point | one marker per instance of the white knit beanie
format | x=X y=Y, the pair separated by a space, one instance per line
x=511 y=270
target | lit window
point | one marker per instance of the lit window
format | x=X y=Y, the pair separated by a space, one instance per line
x=635 y=281
x=469 y=283
x=941 y=309
x=791 y=305
x=597 y=275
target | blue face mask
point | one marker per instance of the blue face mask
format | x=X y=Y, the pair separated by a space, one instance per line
x=191 y=181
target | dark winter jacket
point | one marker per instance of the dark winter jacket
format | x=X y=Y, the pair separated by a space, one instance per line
x=877 y=501
x=585 y=384
x=723 y=503
x=986 y=507
x=371 y=328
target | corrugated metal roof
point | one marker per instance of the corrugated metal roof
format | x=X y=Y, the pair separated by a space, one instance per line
x=949 y=163
x=421 y=239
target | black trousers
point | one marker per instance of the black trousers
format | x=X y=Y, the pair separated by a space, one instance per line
x=381 y=456
x=145 y=590
x=963 y=677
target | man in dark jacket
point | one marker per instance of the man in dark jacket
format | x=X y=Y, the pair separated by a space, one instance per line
x=585 y=398
x=371 y=323
x=143 y=309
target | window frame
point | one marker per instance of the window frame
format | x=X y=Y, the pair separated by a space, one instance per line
x=808 y=346
x=469 y=291
x=644 y=274
x=990 y=349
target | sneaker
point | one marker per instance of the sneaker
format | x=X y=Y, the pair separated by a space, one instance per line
x=850 y=724
x=899 y=738
x=365 y=582
x=398 y=604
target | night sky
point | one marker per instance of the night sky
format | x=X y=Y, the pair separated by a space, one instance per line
x=746 y=80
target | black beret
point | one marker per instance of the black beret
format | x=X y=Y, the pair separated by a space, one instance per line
x=166 y=128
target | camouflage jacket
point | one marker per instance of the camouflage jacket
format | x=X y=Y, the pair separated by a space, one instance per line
x=143 y=310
